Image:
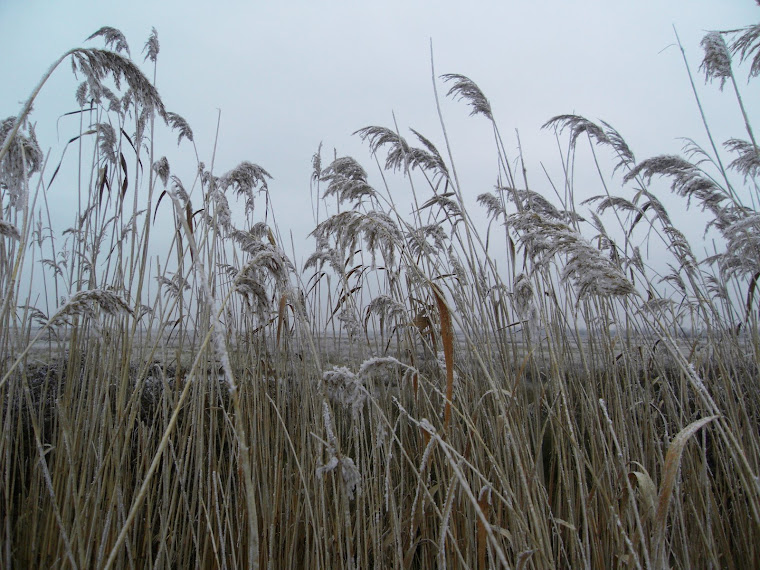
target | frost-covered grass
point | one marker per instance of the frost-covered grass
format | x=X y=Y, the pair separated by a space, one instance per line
x=414 y=395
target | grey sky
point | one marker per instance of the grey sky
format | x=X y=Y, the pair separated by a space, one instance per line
x=288 y=75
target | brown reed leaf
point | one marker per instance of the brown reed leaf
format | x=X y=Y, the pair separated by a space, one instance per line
x=751 y=295
x=670 y=471
x=281 y=316
x=523 y=558
x=647 y=489
x=125 y=183
x=447 y=339
x=103 y=182
x=484 y=502
x=422 y=322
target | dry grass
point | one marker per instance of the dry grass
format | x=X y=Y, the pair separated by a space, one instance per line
x=214 y=406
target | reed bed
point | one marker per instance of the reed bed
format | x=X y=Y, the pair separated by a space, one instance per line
x=421 y=393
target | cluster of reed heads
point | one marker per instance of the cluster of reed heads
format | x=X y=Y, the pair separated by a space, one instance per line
x=420 y=393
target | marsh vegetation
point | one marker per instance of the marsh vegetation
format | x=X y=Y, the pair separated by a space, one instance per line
x=405 y=398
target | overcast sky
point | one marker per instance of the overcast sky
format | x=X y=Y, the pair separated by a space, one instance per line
x=289 y=75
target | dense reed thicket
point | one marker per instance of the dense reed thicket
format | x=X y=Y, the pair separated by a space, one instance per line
x=421 y=393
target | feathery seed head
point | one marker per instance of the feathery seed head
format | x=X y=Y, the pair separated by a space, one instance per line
x=324 y=254
x=245 y=178
x=624 y=152
x=161 y=168
x=465 y=88
x=112 y=37
x=492 y=204
x=175 y=285
x=590 y=271
x=179 y=190
x=265 y=256
x=151 y=46
x=430 y=160
x=747 y=44
x=347 y=180
x=176 y=122
x=350 y=323
x=248 y=284
x=742 y=256
x=688 y=181
x=531 y=201
x=81 y=94
x=387 y=308
x=85 y=302
x=345 y=388
x=316 y=163
x=401 y=156
x=577 y=126
x=9 y=230
x=717 y=61
x=604 y=135
x=349 y=472
x=417 y=240
x=456 y=267
x=107 y=141
x=24 y=158
x=378 y=229
x=222 y=208
x=748 y=160
x=381 y=136
x=379 y=363
x=96 y=64
x=523 y=295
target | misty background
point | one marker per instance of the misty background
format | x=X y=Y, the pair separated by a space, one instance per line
x=282 y=78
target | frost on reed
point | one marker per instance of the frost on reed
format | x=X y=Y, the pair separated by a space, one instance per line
x=590 y=271
x=84 y=303
x=9 y=230
x=345 y=388
x=343 y=465
x=717 y=61
x=22 y=160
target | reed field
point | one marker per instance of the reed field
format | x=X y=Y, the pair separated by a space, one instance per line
x=572 y=385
